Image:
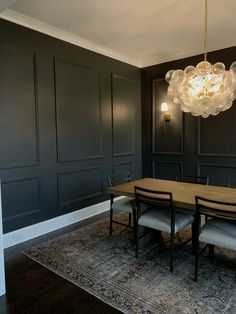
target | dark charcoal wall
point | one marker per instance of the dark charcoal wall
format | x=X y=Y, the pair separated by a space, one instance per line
x=190 y=145
x=68 y=118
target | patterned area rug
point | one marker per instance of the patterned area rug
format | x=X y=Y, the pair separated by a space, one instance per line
x=106 y=267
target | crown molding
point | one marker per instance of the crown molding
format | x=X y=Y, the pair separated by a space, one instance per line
x=177 y=56
x=185 y=54
x=29 y=22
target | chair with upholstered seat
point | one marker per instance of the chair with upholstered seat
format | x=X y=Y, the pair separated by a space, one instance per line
x=155 y=210
x=126 y=204
x=220 y=230
x=192 y=179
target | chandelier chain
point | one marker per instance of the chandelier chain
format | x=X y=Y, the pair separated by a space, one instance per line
x=206 y=30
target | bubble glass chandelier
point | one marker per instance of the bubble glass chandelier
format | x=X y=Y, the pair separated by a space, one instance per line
x=206 y=89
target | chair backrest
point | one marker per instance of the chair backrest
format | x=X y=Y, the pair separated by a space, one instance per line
x=192 y=179
x=118 y=179
x=153 y=198
x=231 y=183
x=215 y=209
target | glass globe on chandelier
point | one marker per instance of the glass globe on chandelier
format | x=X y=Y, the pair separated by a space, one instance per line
x=206 y=89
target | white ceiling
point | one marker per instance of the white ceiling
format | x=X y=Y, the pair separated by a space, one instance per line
x=137 y=31
x=4 y=4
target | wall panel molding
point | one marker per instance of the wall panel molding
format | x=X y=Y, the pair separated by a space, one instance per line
x=19 y=61
x=56 y=102
x=61 y=143
x=215 y=165
x=166 y=169
x=122 y=116
x=174 y=128
x=123 y=167
x=64 y=201
x=219 y=173
x=22 y=215
x=21 y=190
x=200 y=140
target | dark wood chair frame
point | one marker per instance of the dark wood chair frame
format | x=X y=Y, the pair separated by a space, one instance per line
x=207 y=210
x=158 y=201
x=119 y=179
x=192 y=179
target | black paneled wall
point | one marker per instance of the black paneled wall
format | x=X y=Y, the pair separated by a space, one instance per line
x=68 y=118
x=190 y=145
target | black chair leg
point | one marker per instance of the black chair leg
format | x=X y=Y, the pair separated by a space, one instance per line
x=194 y=238
x=211 y=251
x=137 y=240
x=134 y=221
x=171 y=252
x=130 y=219
x=196 y=260
x=111 y=220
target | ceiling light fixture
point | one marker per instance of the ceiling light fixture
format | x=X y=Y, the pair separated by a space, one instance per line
x=206 y=89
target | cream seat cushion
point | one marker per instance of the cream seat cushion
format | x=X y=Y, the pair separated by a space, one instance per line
x=160 y=219
x=220 y=233
x=125 y=204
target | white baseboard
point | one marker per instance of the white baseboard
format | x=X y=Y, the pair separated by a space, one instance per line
x=36 y=230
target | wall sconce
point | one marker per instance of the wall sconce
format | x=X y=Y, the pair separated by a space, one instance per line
x=166 y=115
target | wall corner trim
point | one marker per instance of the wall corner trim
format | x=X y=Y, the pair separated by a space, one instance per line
x=39 y=229
x=2 y=267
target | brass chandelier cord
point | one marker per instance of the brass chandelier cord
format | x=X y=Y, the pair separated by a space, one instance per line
x=206 y=30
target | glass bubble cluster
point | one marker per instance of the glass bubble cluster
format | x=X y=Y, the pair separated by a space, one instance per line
x=204 y=90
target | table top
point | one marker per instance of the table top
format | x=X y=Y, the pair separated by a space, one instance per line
x=183 y=193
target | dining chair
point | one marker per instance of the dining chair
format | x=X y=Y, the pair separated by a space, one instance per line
x=155 y=210
x=192 y=179
x=220 y=230
x=126 y=204
x=231 y=183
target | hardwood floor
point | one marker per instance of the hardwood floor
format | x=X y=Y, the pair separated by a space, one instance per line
x=32 y=288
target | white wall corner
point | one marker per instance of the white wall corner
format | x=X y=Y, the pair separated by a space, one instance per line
x=2 y=268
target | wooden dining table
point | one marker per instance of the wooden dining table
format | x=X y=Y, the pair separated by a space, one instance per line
x=183 y=193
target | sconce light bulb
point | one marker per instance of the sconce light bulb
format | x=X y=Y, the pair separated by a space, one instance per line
x=164 y=107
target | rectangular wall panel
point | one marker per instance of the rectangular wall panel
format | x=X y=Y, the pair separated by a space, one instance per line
x=77 y=186
x=78 y=112
x=166 y=169
x=18 y=116
x=122 y=116
x=218 y=174
x=60 y=112
x=124 y=167
x=217 y=134
x=168 y=138
x=20 y=197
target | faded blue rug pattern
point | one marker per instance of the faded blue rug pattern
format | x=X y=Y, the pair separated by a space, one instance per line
x=106 y=267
